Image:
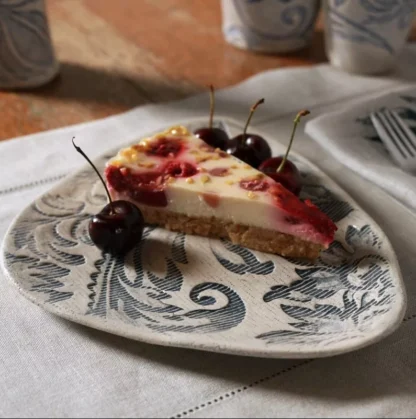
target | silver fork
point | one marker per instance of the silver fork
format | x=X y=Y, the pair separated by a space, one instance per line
x=398 y=138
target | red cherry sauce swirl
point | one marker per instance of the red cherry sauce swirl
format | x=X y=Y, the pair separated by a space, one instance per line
x=166 y=147
x=145 y=188
x=255 y=185
x=299 y=212
x=149 y=187
x=179 y=169
x=219 y=171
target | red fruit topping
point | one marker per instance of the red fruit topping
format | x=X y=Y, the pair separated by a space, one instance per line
x=219 y=171
x=254 y=185
x=149 y=195
x=302 y=212
x=165 y=147
x=146 y=188
x=213 y=200
x=180 y=169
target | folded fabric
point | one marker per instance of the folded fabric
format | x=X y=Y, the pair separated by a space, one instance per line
x=349 y=135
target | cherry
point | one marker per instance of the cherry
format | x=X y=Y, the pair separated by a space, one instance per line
x=250 y=148
x=282 y=170
x=118 y=227
x=215 y=137
x=289 y=176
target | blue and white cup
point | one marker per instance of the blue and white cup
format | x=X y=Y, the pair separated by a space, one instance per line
x=27 y=56
x=366 y=36
x=272 y=26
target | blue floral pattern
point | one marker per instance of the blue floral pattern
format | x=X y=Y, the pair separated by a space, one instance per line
x=272 y=21
x=362 y=282
x=372 y=25
x=116 y=284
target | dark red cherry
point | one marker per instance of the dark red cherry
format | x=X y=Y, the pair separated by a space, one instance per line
x=289 y=176
x=117 y=228
x=283 y=170
x=215 y=137
x=250 y=148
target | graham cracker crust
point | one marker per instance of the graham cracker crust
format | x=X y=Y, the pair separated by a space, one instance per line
x=255 y=238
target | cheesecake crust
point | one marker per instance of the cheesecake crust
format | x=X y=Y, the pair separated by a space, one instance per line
x=255 y=238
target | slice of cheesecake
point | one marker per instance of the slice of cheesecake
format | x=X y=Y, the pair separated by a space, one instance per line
x=182 y=184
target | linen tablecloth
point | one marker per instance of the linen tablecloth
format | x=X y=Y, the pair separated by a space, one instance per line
x=50 y=367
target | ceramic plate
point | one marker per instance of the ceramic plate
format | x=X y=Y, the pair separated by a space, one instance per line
x=209 y=294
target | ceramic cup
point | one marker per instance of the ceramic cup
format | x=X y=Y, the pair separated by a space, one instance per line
x=273 y=26
x=27 y=57
x=366 y=36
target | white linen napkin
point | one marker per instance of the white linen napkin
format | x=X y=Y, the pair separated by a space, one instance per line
x=50 y=367
x=349 y=135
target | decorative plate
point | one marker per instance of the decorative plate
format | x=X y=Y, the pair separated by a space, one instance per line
x=209 y=294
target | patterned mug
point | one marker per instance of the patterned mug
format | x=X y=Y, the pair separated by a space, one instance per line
x=27 y=57
x=366 y=36
x=273 y=26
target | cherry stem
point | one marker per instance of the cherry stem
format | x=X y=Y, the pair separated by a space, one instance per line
x=96 y=171
x=252 y=110
x=296 y=121
x=211 y=106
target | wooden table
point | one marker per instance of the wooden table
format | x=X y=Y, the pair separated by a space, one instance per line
x=116 y=55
